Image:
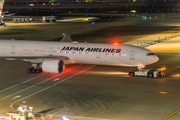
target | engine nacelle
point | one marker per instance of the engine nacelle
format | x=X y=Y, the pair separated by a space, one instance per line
x=53 y=66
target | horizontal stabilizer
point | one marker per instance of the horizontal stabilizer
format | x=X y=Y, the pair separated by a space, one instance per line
x=66 y=38
x=7 y=15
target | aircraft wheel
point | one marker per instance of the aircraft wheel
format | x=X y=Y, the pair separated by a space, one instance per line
x=131 y=74
x=33 y=71
x=29 y=70
x=37 y=70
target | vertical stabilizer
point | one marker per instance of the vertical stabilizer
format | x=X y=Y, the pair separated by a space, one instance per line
x=1 y=6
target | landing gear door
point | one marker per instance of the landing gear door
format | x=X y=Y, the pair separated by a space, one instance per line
x=132 y=55
x=12 y=49
x=98 y=55
x=50 y=51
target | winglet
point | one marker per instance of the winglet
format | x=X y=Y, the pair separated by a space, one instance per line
x=66 y=38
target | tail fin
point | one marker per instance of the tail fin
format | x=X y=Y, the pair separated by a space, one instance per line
x=1 y=5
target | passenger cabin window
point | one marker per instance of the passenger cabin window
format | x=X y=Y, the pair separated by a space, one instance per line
x=148 y=54
x=82 y=52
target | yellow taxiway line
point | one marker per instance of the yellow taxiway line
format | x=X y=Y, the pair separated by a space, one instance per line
x=171 y=114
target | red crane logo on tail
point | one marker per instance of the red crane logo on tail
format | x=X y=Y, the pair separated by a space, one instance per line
x=0 y=8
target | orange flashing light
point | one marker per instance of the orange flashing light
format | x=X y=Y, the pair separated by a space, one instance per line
x=161 y=69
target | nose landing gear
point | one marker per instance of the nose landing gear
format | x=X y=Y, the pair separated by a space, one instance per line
x=141 y=67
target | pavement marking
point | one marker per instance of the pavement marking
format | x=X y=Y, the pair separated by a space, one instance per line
x=87 y=117
x=22 y=82
x=171 y=114
x=173 y=69
x=56 y=79
x=11 y=106
x=38 y=83
x=72 y=117
x=16 y=97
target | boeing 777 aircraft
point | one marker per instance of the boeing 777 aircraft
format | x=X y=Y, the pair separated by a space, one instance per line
x=51 y=57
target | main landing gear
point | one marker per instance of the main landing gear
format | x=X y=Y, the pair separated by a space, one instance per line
x=35 y=69
x=32 y=70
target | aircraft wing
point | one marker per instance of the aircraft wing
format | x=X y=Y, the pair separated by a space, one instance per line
x=35 y=57
x=39 y=59
x=9 y=16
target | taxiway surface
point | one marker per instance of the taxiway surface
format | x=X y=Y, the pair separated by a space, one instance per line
x=88 y=90
x=93 y=91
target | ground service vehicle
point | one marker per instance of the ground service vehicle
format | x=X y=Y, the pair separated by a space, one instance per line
x=148 y=73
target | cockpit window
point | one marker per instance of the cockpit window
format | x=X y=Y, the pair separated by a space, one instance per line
x=148 y=54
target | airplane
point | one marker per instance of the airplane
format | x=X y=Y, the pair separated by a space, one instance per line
x=2 y=14
x=51 y=57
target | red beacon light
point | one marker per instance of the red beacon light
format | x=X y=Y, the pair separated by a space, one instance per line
x=115 y=43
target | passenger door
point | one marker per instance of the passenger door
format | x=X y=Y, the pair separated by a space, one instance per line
x=132 y=55
x=98 y=55
x=50 y=51
x=12 y=49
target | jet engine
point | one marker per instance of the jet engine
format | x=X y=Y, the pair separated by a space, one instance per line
x=53 y=66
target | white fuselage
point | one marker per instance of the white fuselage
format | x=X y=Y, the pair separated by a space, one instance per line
x=88 y=53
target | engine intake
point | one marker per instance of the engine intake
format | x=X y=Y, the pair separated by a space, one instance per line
x=53 y=66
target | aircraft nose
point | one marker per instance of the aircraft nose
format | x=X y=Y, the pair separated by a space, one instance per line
x=152 y=59
x=155 y=58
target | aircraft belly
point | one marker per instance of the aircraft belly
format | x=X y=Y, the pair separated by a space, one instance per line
x=103 y=60
x=134 y=62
